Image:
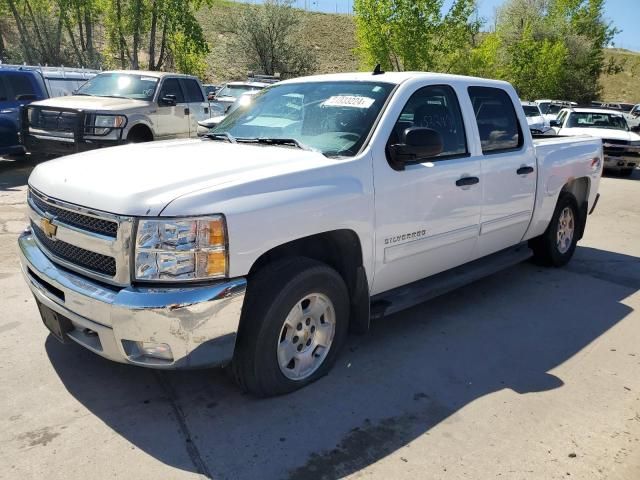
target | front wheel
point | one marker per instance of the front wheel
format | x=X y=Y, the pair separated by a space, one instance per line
x=294 y=322
x=556 y=245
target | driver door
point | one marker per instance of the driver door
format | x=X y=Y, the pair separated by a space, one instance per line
x=172 y=121
x=428 y=213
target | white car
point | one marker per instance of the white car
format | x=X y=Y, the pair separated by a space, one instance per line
x=621 y=145
x=329 y=201
x=537 y=123
x=551 y=108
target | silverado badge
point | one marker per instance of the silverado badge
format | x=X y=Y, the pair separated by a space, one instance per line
x=48 y=228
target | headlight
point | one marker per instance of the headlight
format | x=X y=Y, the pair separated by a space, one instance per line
x=181 y=249
x=103 y=123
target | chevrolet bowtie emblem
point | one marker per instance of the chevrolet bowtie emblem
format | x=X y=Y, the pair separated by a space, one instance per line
x=48 y=228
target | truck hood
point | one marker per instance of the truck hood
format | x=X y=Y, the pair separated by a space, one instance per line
x=83 y=102
x=141 y=179
x=602 y=133
x=537 y=122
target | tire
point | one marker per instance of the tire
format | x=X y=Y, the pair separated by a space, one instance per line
x=271 y=332
x=626 y=172
x=554 y=248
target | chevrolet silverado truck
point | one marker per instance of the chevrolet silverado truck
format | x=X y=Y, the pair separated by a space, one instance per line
x=329 y=201
x=115 y=108
x=620 y=144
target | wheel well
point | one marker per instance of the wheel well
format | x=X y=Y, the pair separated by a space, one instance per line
x=341 y=250
x=579 y=189
x=140 y=133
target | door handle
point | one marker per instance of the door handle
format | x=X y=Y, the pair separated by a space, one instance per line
x=206 y=109
x=524 y=170
x=186 y=111
x=466 y=181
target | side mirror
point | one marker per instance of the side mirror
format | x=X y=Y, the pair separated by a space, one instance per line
x=211 y=96
x=168 y=100
x=554 y=123
x=417 y=144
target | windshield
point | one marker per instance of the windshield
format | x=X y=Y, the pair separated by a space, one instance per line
x=554 y=109
x=544 y=106
x=597 y=120
x=236 y=90
x=120 y=85
x=332 y=117
x=531 y=111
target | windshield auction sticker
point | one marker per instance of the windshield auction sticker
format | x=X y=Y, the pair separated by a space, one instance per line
x=348 y=101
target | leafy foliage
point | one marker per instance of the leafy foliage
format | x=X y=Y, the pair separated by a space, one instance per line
x=413 y=34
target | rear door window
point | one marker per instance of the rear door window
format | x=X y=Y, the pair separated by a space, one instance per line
x=192 y=91
x=497 y=121
x=171 y=86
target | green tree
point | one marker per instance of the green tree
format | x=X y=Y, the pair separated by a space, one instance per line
x=414 y=34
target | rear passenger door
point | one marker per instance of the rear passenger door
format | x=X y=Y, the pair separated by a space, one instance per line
x=172 y=120
x=198 y=107
x=508 y=169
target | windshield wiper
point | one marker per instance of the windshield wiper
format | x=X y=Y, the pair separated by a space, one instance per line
x=278 y=141
x=222 y=136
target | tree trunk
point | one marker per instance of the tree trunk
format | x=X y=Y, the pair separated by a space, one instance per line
x=152 y=35
x=25 y=41
x=163 y=42
x=43 y=47
x=88 y=30
x=72 y=37
x=122 y=44
x=83 y=45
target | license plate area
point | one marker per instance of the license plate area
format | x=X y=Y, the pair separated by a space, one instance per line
x=58 y=325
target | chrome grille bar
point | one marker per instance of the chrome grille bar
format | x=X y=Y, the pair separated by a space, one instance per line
x=94 y=243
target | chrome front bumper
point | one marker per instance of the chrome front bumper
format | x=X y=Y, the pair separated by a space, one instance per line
x=198 y=323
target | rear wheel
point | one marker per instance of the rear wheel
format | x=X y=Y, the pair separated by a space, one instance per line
x=294 y=322
x=556 y=245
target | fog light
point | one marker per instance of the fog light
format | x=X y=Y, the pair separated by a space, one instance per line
x=161 y=351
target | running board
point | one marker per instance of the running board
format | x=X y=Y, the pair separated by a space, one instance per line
x=428 y=288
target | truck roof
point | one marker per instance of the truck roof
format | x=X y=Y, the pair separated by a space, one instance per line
x=595 y=110
x=151 y=73
x=392 y=77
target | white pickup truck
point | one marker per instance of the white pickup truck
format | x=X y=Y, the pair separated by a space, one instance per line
x=328 y=201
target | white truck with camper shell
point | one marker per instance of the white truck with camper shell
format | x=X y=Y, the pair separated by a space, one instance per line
x=328 y=201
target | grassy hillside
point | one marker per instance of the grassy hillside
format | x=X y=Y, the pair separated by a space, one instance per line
x=331 y=36
x=623 y=86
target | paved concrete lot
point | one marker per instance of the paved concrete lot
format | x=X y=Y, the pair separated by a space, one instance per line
x=530 y=374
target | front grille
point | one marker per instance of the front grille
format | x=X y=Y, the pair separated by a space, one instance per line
x=95 y=262
x=53 y=120
x=85 y=222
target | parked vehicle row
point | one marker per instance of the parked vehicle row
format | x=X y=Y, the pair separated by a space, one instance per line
x=538 y=124
x=21 y=85
x=326 y=202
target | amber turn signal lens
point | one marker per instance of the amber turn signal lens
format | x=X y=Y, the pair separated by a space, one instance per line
x=216 y=263
x=216 y=233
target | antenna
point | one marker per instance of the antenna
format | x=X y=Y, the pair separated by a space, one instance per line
x=378 y=70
